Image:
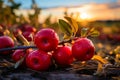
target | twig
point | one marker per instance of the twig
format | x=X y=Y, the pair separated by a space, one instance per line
x=18 y=47
x=65 y=41
x=69 y=40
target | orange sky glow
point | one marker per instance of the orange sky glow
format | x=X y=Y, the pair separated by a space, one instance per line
x=83 y=12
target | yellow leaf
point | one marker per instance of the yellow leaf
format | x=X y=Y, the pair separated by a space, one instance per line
x=92 y=29
x=23 y=39
x=117 y=59
x=75 y=26
x=100 y=59
x=99 y=69
x=94 y=33
x=66 y=36
x=73 y=23
x=117 y=50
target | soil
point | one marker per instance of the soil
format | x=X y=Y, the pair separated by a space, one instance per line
x=77 y=71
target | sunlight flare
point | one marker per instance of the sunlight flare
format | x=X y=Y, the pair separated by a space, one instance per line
x=85 y=16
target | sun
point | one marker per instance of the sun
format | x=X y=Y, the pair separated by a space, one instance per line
x=85 y=16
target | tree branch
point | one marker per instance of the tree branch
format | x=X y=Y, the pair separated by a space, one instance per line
x=27 y=47
x=18 y=47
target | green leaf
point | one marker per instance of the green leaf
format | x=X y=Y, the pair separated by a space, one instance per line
x=73 y=24
x=84 y=32
x=94 y=33
x=65 y=27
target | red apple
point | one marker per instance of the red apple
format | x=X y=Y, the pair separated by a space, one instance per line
x=38 y=60
x=30 y=29
x=16 y=32
x=116 y=37
x=6 y=42
x=27 y=27
x=46 y=39
x=27 y=34
x=20 y=53
x=102 y=36
x=63 y=56
x=83 y=49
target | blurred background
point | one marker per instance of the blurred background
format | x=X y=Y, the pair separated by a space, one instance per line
x=102 y=14
x=83 y=9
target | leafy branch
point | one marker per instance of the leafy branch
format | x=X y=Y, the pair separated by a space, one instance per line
x=70 y=27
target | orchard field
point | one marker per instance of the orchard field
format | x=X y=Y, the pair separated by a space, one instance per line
x=66 y=49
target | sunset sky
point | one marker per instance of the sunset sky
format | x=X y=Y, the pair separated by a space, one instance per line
x=56 y=3
x=87 y=9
